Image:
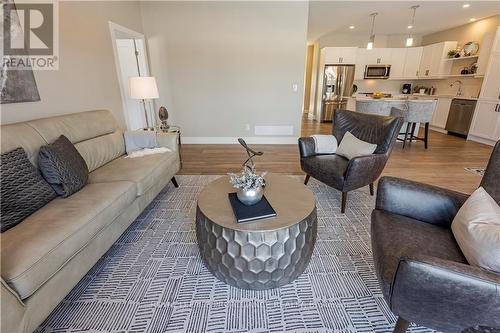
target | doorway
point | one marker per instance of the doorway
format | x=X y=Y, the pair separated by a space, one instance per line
x=131 y=60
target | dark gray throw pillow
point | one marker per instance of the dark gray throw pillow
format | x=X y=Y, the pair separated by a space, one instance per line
x=63 y=167
x=23 y=190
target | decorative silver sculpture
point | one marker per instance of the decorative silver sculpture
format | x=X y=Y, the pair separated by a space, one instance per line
x=250 y=185
x=163 y=115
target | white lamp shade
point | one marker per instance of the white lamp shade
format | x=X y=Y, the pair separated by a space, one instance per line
x=142 y=87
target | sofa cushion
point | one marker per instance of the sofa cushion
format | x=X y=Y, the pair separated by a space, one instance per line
x=95 y=134
x=23 y=190
x=144 y=171
x=36 y=249
x=63 y=167
x=395 y=236
x=329 y=169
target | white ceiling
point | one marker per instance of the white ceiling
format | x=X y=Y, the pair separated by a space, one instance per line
x=393 y=16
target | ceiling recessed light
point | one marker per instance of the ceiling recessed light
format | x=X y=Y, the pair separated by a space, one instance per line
x=466 y=5
x=410 y=27
x=472 y=19
x=352 y=27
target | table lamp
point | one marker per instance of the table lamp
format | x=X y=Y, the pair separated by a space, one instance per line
x=143 y=88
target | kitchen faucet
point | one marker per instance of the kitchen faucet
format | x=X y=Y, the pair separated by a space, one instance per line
x=459 y=92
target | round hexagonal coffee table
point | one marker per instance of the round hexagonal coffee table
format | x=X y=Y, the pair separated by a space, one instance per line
x=263 y=254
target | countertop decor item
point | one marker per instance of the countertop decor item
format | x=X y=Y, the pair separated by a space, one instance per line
x=250 y=185
x=470 y=49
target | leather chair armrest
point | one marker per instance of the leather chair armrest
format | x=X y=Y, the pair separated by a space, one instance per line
x=168 y=140
x=363 y=170
x=306 y=147
x=445 y=295
x=419 y=201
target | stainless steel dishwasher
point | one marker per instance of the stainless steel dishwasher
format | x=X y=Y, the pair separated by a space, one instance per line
x=460 y=116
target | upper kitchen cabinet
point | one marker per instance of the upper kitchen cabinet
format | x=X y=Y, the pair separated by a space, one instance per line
x=412 y=62
x=491 y=84
x=339 y=55
x=433 y=63
x=490 y=89
x=398 y=60
x=378 y=56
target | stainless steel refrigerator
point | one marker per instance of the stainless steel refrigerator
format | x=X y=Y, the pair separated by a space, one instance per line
x=337 y=87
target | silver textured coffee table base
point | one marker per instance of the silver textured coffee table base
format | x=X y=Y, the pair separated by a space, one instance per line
x=256 y=259
x=262 y=254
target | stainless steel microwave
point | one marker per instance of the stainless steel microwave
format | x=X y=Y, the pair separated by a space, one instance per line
x=377 y=71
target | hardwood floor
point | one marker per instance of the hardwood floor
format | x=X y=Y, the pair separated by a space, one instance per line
x=442 y=164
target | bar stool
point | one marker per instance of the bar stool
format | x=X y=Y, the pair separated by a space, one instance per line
x=417 y=111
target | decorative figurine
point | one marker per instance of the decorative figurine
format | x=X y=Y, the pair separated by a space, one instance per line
x=250 y=185
x=163 y=115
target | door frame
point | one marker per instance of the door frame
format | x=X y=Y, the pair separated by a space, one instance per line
x=117 y=32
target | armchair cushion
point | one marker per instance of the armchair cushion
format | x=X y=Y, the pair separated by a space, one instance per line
x=395 y=236
x=351 y=147
x=476 y=228
x=329 y=169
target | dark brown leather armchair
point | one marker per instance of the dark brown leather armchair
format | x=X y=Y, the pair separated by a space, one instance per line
x=347 y=175
x=423 y=274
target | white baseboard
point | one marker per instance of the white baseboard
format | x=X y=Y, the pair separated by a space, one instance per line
x=438 y=129
x=488 y=142
x=274 y=140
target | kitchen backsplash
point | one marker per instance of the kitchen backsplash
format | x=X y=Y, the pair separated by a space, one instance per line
x=470 y=86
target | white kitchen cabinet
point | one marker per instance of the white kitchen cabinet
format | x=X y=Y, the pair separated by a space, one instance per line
x=412 y=62
x=433 y=63
x=496 y=42
x=491 y=84
x=486 y=121
x=361 y=62
x=398 y=56
x=378 y=56
x=340 y=55
x=440 y=115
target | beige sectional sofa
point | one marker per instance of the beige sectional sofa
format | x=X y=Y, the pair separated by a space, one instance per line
x=46 y=255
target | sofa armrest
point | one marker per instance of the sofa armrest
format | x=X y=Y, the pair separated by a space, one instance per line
x=363 y=170
x=12 y=310
x=419 y=201
x=306 y=147
x=435 y=292
x=168 y=140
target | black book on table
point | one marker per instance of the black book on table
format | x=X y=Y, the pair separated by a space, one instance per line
x=244 y=213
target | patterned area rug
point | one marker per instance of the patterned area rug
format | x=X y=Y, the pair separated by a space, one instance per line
x=153 y=279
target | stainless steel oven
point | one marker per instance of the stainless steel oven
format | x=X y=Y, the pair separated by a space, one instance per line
x=377 y=71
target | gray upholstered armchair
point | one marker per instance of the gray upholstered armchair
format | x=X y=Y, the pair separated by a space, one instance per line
x=347 y=175
x=423 y=274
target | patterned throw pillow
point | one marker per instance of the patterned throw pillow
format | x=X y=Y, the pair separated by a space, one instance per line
x=23 y=190
x=63 y=167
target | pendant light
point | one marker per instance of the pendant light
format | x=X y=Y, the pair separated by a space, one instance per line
x=409 y=40
x=369 y=46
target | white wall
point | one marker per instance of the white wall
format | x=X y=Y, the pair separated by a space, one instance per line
x=86 y=78
x=223 y=65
